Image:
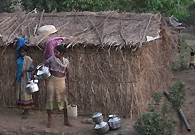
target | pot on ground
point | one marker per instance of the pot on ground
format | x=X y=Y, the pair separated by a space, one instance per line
x=97 y=117
x=101 y=128
x=114 y=122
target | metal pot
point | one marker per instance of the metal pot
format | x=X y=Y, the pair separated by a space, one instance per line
x=97 y=117
x=31 y=87
x=101 y=127
x=114 y=122
x=43 y=72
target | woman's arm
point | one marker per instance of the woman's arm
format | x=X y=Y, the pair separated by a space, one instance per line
x=68 y=77
x=28 y=70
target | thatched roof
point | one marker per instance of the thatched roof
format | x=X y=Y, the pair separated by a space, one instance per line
x=102 y=29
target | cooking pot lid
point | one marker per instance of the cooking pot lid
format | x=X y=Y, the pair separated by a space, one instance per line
x=96 y=114
x=112 y=116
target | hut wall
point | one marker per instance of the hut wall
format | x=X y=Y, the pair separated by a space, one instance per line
x=105 y=80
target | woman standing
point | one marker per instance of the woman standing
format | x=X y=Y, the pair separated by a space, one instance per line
x=24 y=68
x=56 y=88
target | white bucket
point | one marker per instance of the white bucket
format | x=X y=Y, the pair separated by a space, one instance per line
x=72 y=111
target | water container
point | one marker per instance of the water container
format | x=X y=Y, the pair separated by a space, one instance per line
x=72 y=111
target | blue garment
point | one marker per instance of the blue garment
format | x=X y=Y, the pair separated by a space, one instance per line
x=21 y=42
x=19 y=68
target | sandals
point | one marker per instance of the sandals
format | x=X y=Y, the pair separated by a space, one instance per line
x=25 y=114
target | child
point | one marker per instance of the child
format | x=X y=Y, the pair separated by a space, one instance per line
x=192 y=60
x=56 y=88
x=24 y=68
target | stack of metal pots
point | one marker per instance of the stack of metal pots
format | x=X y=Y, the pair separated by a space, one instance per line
x=100 y=126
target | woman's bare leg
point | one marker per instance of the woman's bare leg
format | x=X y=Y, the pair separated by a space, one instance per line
x=66 y=122
x=25 y=114
x=49 y=118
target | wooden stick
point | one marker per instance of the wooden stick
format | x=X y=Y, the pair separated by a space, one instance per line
x=97 y=32
x=121 y=33
x=77 y=36
x=29 y=32
x=104 y=21
x=35 y=29
x=81 y=21
x=61 y=27
x=11 y=26
x=41 y=39
x=20 y=25
x=146 y=30
x=40 y=21
x=4 y=20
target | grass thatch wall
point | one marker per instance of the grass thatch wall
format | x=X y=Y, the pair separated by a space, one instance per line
x=105 y=80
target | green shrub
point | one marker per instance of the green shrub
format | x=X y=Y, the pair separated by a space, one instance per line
x=179 y=65
x=177 y=94
x=158 y=120
x=157 y=97
x=155 y=123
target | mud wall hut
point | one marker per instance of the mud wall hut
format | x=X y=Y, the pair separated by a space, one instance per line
x=117 y=60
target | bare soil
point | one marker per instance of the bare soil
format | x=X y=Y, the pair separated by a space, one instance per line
x=12 y=124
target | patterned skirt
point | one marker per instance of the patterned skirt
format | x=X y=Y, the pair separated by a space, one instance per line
x=23 y=99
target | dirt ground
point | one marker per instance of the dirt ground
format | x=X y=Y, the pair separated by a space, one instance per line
x=12 y=124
